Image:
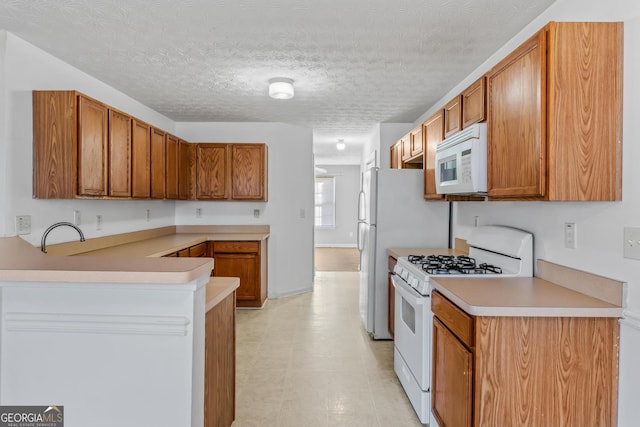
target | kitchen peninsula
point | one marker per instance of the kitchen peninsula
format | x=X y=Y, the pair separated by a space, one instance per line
x=120 y=334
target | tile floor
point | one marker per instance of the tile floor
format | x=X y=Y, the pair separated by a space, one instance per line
x=306 y=361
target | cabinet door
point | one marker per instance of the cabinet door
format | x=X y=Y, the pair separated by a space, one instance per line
x=416 y=141
x=405 y=142
x=433 y=134
x=186 y=167
x=396 y=155
x=212 y=174
x=517 y=122
x=93 y=123
x=248 y=172
x=452 y=382
x=246 y=266
x=585 y=110
x=141 y=160
x=157 y=163
x=171 y=167
x=474 y=103
x=119 y=154
x=453 y=116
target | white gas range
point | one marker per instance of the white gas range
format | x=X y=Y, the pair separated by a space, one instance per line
x=493 y=250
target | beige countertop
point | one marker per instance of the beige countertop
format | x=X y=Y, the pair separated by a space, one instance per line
x=163 y=245
x=22 y=262
x=526 y=296
x=218 y=289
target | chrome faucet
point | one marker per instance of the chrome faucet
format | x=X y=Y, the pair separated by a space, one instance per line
x=43 y=242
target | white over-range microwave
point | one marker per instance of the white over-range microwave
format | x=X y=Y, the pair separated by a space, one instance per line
x=461 y=162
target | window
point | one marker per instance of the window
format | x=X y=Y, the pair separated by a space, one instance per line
x=325 y=208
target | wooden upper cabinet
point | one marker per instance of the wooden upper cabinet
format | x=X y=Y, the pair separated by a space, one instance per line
x=405 y=142
x=555 y=115
x=231 y=171
x=119 y=154
x=212 y=171
x=171 y=167
x=416 y=141
x=83 y=148
x=453 y=116
x=157 y=167
x=249 y=172
x=433 y=134
x=93 y=130
x=186 y=170
x=395 y=155
x=70 y=145
x=474 y=103
x=141 y=160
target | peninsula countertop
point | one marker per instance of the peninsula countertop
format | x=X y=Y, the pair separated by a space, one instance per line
x=127 y=258
x=22 y=262
x=522 y=296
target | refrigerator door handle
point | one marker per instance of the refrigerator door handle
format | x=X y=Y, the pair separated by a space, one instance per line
x=361 y=206
x=359 y=239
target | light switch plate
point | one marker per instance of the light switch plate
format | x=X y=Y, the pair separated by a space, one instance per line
x=631 y=242
x=570 y=235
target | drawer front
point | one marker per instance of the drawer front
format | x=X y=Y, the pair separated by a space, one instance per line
x=198 y=250
x=459 y=322
x=236 y=247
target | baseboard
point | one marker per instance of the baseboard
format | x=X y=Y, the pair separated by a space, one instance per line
x=336 y=245
x=292 y=293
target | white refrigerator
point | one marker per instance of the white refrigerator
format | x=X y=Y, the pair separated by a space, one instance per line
x=392 y=213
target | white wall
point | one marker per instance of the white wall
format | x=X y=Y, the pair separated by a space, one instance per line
x=381 y=139
x=347 y=187
x=290 y=169
x=599 y=224
x=26 y=68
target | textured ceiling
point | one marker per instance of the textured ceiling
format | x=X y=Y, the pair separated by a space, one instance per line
x=354 y=62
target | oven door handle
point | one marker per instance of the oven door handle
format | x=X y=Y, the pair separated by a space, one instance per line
x=407 y=291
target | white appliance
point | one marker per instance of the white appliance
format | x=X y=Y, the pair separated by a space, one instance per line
x=461 y=162
x=493 y=250
x=392 y=213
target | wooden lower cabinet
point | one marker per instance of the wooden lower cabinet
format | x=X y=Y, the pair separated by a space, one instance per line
x=248 y=261
x=452 y=398
x=523 y=371
x=220 y=364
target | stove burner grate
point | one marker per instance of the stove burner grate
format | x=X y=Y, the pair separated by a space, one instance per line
x=449 y=264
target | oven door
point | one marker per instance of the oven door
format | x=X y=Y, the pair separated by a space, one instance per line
x=413 y=323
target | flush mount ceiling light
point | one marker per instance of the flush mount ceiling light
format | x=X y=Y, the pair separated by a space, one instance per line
x=341 y=145
x=281 y=88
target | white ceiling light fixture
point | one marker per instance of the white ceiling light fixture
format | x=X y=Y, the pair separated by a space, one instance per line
x=281 y=88
x=341 y=145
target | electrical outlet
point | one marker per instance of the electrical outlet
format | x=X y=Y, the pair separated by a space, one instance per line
x=302 y=213
x=570 y=235
x=256 y=213
x=76 y=217
x=98 y=222
x=198 y=212
x=148 y=215
x=23 y=224
x=631 y=243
